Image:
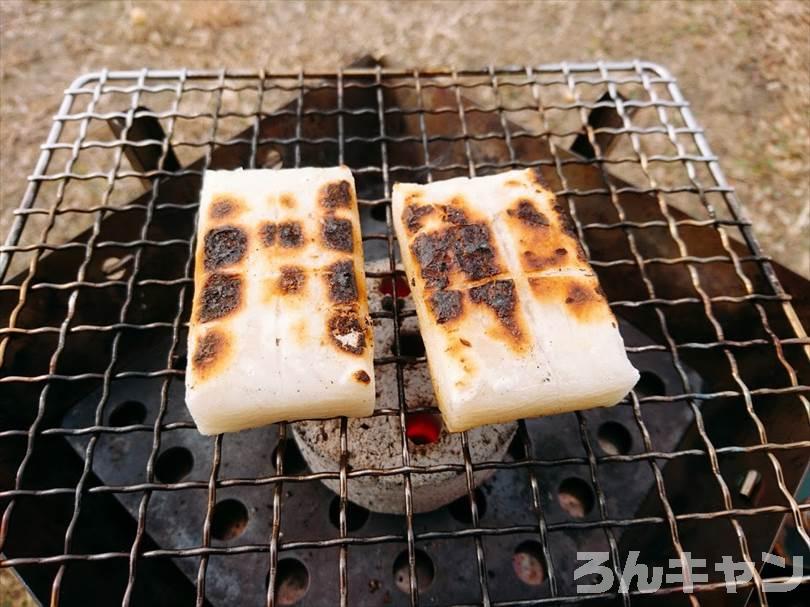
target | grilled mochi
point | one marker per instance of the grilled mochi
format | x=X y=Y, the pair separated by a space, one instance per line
x=279 y=328
x=511 y=314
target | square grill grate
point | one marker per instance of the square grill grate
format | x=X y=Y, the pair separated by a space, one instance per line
x=105 y=481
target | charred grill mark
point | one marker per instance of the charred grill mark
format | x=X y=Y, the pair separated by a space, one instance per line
x=290 y=234
x=581 y=296
x=536 y=177
x=223 y=246
x=586 y=300
x=500 y=296
x=362 y=377
x=347 y=333
x=547 y=239
x=580 y=253
x=223 y=207
x=465 y=342
x=341 y=281
x=287 y=200
x=413 y=214
x=432 y=252
x=211 y=348
x=468 y=246
x=221 y=295
x=454 y=212
x=337 y=234
x=566 y=225
x=473 y=249
x=267 y=233
x=335 y=195
x=292 y=279
x=526 y=212
x=533 y=261
x=445 y=305
x=539 y=262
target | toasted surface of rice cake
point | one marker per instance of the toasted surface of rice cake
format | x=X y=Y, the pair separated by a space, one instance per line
x=279 y=328
x=512 y=316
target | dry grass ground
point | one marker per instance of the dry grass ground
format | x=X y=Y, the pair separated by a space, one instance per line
x=745 y=66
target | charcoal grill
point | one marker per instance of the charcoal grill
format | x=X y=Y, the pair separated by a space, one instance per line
x=110 y=496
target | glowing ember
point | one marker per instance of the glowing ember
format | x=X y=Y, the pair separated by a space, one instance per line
x=423 y=428
x=401 y=285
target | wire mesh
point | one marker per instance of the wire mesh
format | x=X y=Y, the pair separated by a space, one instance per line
x=390 y=125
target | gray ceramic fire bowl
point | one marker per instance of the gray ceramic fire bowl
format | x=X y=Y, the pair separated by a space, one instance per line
x=376 y=442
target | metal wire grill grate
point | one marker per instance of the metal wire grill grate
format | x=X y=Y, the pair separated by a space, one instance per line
x=660 y=224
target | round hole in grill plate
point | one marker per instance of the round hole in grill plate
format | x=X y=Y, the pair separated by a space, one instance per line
x=229 y=519
x=649 y=384
x=292 y=581
x=576 y=497
x=174 y=464
x=387 y=303
x=614 y=438
x=423 y=428
x=114 y=267
x=356 y=516
x=128 y=413
x=529 y=564
x=424 y=571
x=460 y=509
x=293 y=460
x=272 y=160
x=410 y=344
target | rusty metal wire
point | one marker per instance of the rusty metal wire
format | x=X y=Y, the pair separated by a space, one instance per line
x=688 y=150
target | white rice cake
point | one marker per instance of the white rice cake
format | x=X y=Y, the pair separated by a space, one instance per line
x=279 y=328
x=511 y=314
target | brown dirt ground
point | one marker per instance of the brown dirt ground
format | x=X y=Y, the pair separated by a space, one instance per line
x=745 y=67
